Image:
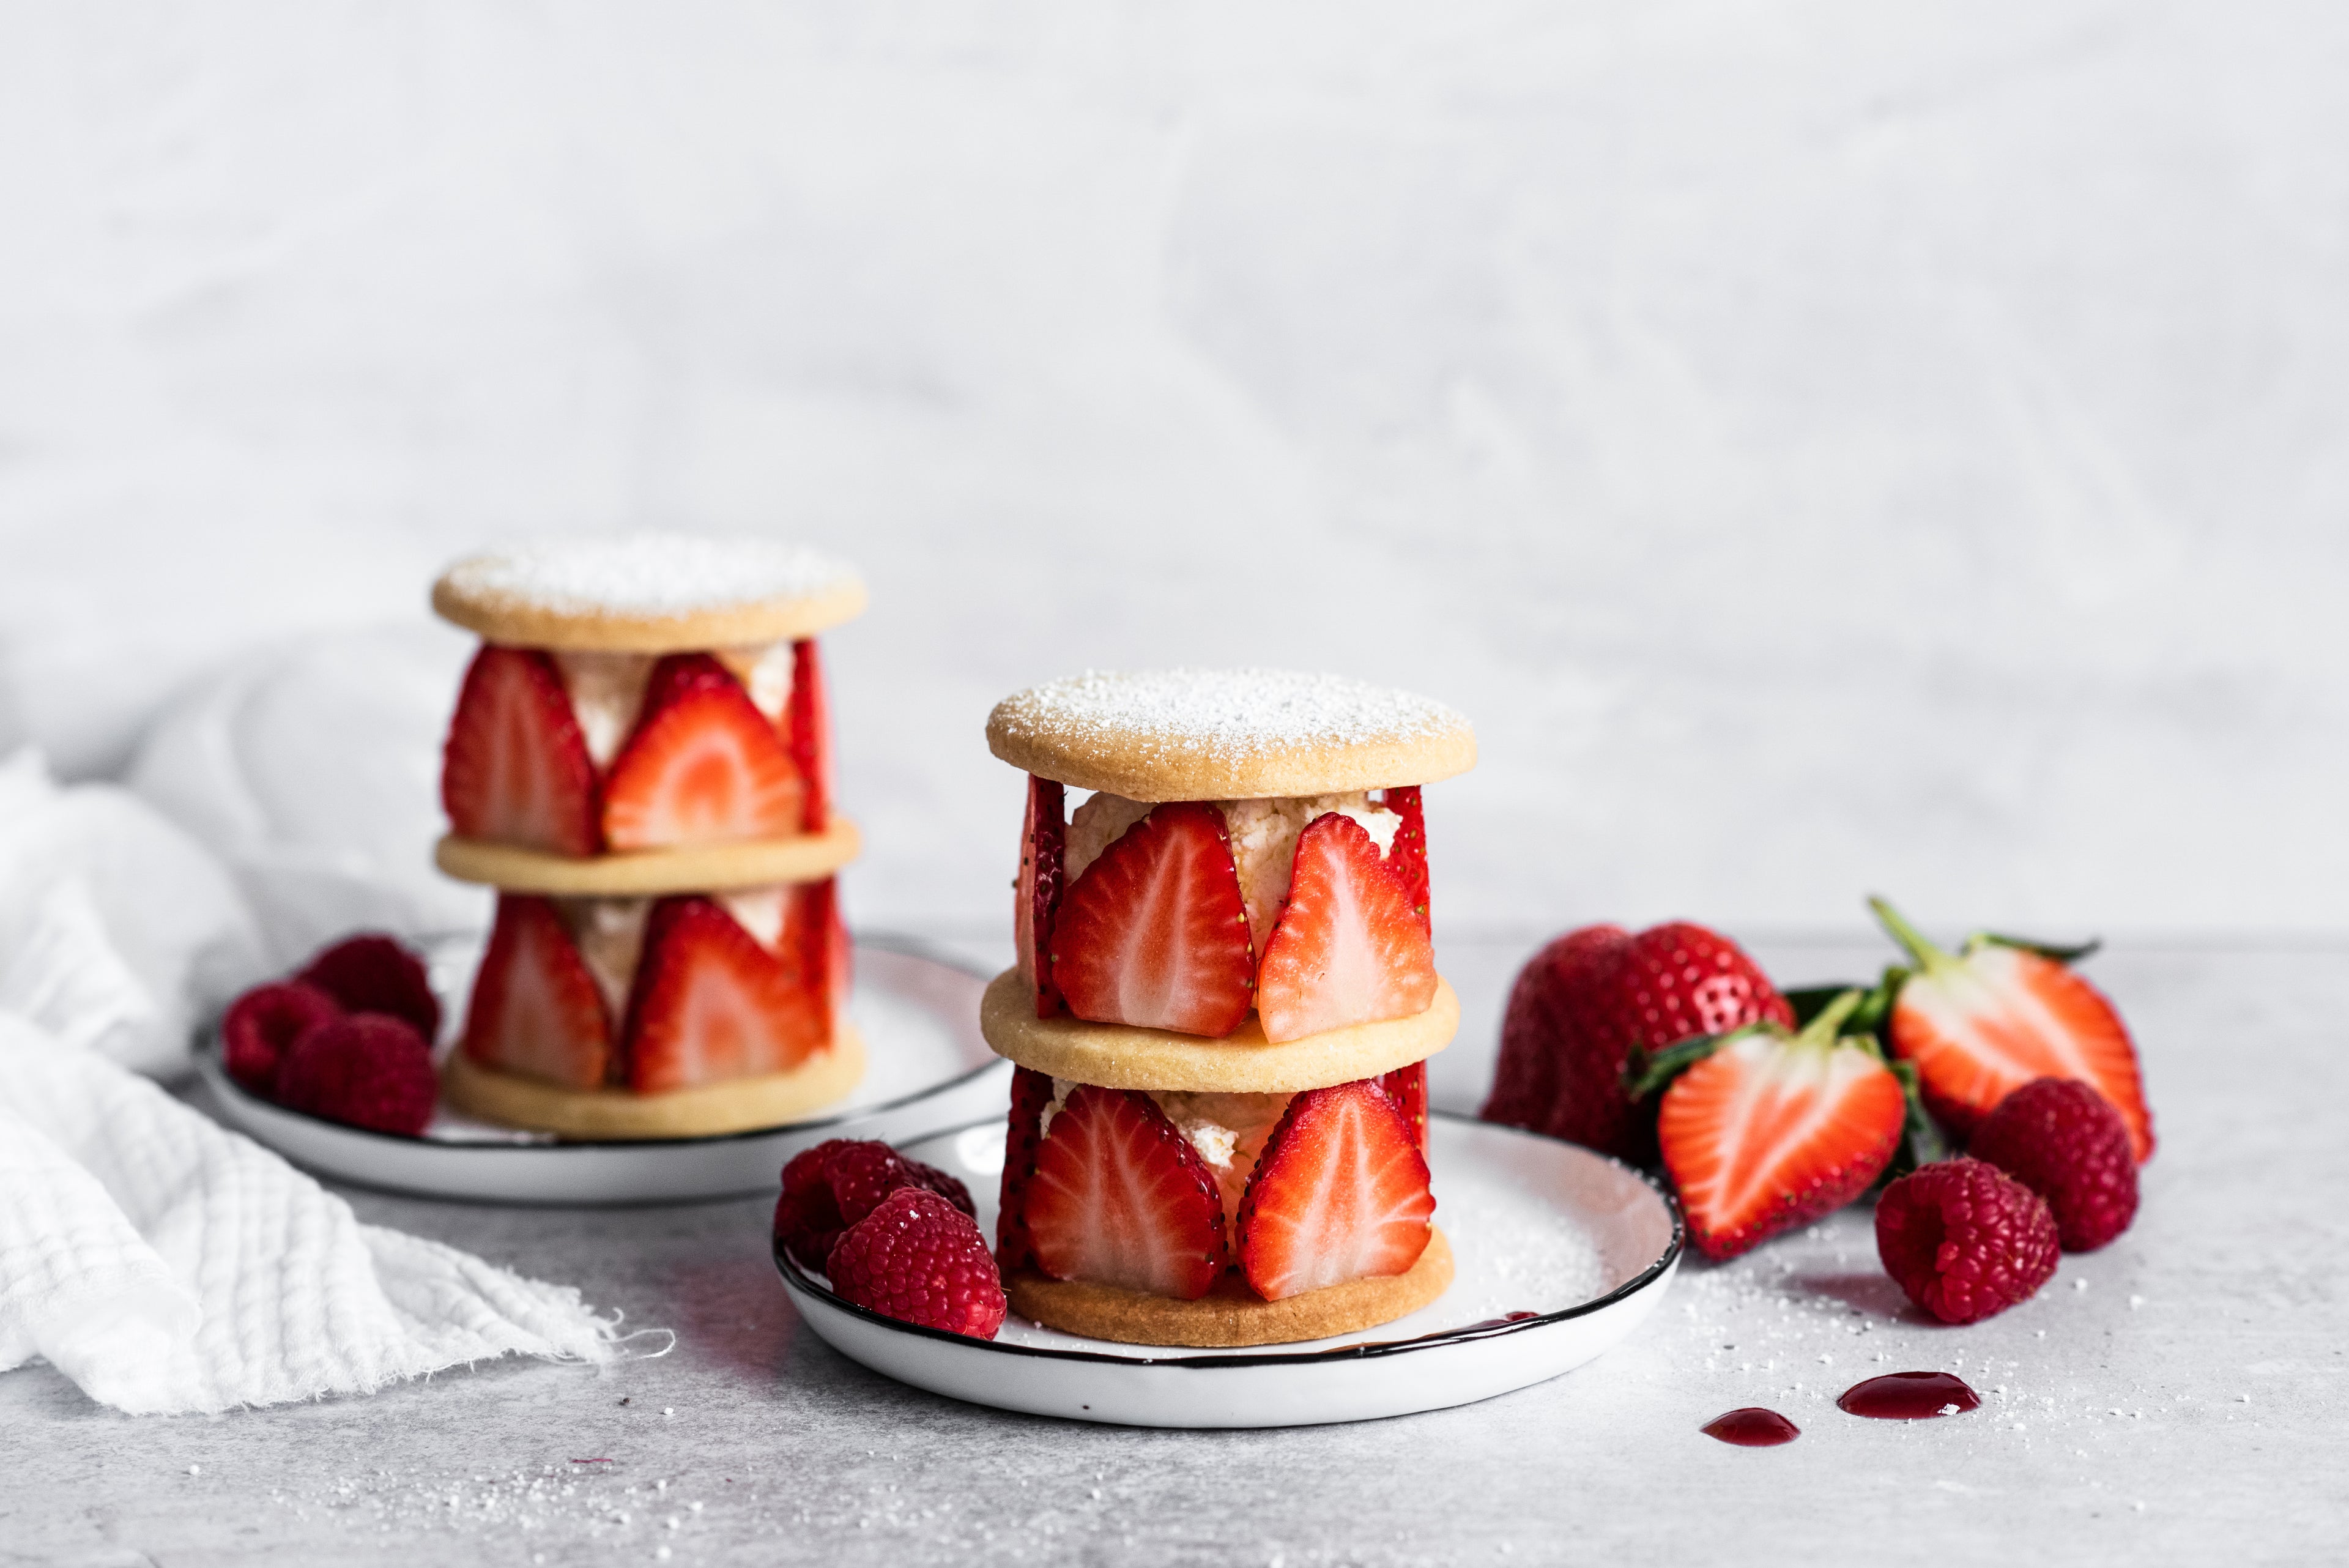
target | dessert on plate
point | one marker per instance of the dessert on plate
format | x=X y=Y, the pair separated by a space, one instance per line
x=1224 y=1003
x=639 y=761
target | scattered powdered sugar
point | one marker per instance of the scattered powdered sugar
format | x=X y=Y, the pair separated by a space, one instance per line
x=649 y=574
x=1227 y=713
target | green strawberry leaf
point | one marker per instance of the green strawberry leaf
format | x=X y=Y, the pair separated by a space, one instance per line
x=1647 y=1072
x=2056 y=951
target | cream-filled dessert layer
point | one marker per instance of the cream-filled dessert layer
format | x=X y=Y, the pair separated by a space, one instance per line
x=1263 y=835
x=607 y=689
x=610 y=934
x=1228 y=1130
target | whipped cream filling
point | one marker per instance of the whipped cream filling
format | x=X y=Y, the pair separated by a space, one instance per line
x=607 y=689
x=1263 y=833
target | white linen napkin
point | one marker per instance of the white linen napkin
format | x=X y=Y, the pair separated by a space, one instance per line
x=166 y=1264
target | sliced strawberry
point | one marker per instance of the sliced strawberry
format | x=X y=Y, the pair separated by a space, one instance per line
x=709 y=1004
x=1120 y=1198
x=813 y=938
x=1985 y=1020
x=516 y=768
x=1154 y=932
x=1043 y=860
x=535 y=1009
x=809 y=734
x=1773 y=1129
x=1031 y=1092
x=1349 y=948
x=702 y=766
x=1339 y=1193
x=1407 y=1088
x=1408 y=852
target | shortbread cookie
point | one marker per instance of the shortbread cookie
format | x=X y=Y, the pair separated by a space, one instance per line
x=741 y=1105
x=708 y=868
x=1231 y=1315
x=648 y=593
x=1228 y=734
x=1121 y=1056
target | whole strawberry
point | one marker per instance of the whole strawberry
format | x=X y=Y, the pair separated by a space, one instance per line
x=1965 y=1240
x=919 y=1259
x=262 y=1025
x=1587 y=1000
x=2064 y=1141
x=830 y=1187
x=366 y=1069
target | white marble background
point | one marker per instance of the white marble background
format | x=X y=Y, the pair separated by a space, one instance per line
x=1825 y=446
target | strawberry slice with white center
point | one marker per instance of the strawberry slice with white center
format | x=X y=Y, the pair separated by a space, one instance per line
x=1118 y=1197
x=1154 y=932
x=709 y=1004
x=535 y=1009
x=1773 y=1129
x=1339 y=1193
x=515 y=769
x=1349 y=948
x=808 y=734
x=1983 y=1022
x=814 y=938
x=703 y=765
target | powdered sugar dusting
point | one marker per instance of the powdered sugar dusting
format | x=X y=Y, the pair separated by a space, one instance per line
x=1227 y=713
x=649 y=574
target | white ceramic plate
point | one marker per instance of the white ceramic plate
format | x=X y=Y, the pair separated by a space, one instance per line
x=1582 y=1245
x=925 y=1065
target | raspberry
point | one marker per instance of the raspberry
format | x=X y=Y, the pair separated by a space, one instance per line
x=2064 y=1141
x=262 y=1025
x=919 y=1259
x=830 y=1187
x=366 y=1069
x=373 y=973
x=1965 y=1240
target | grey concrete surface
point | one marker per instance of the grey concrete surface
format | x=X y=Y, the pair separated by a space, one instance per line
x=2173 y=1399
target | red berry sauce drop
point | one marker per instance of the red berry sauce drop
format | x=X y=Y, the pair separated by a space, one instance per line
x=1752 y=1427
x=1909 y=1397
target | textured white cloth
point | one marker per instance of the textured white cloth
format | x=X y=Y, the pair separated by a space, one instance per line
x=160 y=1261
x=166 y=1264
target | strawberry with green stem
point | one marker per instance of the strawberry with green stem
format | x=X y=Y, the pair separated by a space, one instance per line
x=1982 y=1022
x=1763 y=1129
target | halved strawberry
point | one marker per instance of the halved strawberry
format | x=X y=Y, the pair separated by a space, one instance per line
x=1120 y=1198
x=535 y=1009
x=1985 y=1020
x=1407 y=1088
x=808 y=722
x=1339 y=1193
x=709 y=1004
x=1773 y=1128
x=1043 y=864
x=1154 y=932
x=702 y=766
x=814 y=938
x=1348 y=948
x=1031 y=1092
x=1408 y=854
x=516 y=768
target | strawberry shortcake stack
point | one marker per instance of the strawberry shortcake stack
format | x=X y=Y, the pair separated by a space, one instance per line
x=640 y=764
x=1223 y=1008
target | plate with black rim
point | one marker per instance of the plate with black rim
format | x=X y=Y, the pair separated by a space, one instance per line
x=1560 y=1253
x=924 y=1064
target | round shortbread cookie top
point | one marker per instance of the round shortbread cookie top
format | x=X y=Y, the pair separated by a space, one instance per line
x=1227 y=735
x=648 y=593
